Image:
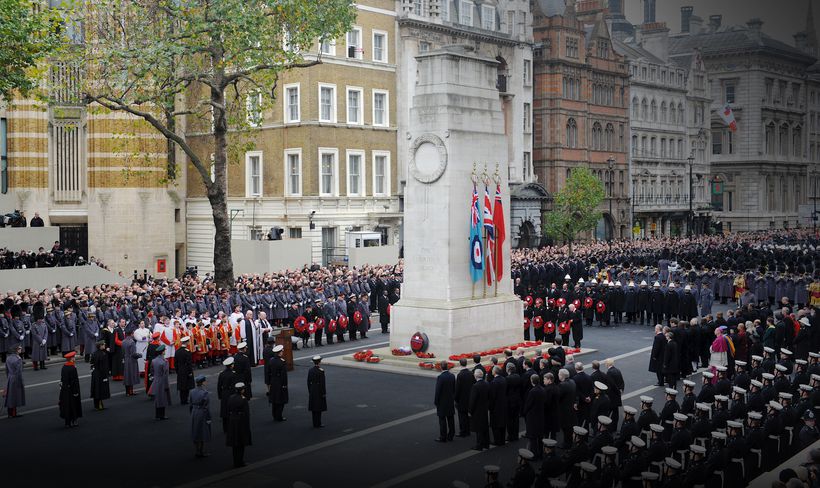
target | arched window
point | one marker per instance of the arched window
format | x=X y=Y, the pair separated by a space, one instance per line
x=797 y=141
x=673 y=113
x=770 y=138
x=635 y=108
x=680 y=113
x=663 y=112
x=644 y=110
x=783 y=139
x=597 y=136
x=572 y=134
x=654 y=110
x=634 y=145
x=609 y=135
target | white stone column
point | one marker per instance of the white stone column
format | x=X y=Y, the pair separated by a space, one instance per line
x=456 y=122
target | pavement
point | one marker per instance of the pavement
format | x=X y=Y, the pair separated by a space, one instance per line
x=379 y=429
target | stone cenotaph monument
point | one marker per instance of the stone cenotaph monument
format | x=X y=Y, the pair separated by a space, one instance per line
x=457 y=131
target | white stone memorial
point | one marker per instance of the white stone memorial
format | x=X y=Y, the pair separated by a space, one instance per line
x=456 y=125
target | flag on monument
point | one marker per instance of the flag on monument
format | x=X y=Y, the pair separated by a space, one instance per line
x=729 y=117
x=500 y=233
x=476 y=251
x=489 y=227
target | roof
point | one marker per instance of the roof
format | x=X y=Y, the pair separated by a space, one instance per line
x=551 y=8
x=733 y=39
x=633 y=51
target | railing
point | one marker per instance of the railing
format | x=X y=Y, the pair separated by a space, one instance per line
x=662 y=200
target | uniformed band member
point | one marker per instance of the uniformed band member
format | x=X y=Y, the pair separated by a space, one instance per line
x=224 y=389
x=238 y=435
x=276 y=379
x=160 y=387
x=317 y=392
x=100 y=387
x=71 y=407
x=200 y=407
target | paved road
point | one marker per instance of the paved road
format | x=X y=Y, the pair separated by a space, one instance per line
x=379 y=431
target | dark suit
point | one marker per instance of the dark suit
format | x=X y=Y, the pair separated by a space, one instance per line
x=533 y=413
x=498 y=408
x=464 y=383
x=671 y=364
x=513 y=405
x=479 y=411
x=445 y=405
x=566 y=406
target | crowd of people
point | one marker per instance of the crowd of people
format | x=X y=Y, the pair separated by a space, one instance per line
x=738 y=423
x=57 y=256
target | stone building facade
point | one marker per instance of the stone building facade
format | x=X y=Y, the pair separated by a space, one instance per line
x=499 y=30
x=758 y=173
x=100 y=176
x=581 y=105
x=322 y=160
x=667 y=133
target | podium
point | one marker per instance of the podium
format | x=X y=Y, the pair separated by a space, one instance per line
x=283 y=338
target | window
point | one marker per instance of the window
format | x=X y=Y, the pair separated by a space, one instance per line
x=609 y=136
x=527 y=170
x=572 y=47
x=327 y=103
x=729 y=91
x=663 y=112
x=510 y=22
x=292 y=110
x=634 y=145
x=327 y=47
x=653 y=143
x=295 y=232
x=769 y=90
x=673 y=113
x=770 y=138
x=444 y=10
x=654 y=111
x=293 y=170
x=597 y=136
x=527 y=116
x=663 y=147
x=572 y=134
x=424 y=46
x=783 y=140
x=698 y=82
x=603 y=49
x=487 y=17
x=466 y=13
x=527 y=72
x=380 y=108
x=421 y=7
x=328 y=172
x=253 y=107
x=635 y=108
x=355 y=174
x=253 y=174
x=717 y=142
x=379 y=46
x=797 y=141
x=381 y=173
x=680 y=113
x=354 y=106
x=354 y=43
x=644 y=109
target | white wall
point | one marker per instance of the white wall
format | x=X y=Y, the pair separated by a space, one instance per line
x=28 y=238
x=360 y=256
x=269 y=256
x=43 y=278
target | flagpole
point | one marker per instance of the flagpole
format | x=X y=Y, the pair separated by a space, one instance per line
x=485 y=180
x=499 y=251
x=474 y=179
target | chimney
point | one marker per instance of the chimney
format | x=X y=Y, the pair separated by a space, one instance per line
x=755 y=25
x=685 y=15
x=800 y=41
x=695 y=25
x=648 y=11
x=714 y=22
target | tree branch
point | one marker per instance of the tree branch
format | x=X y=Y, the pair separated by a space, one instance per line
x=119 y=105
x=228 y=79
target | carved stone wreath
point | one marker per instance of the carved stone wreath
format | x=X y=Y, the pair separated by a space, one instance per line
x=428 y=172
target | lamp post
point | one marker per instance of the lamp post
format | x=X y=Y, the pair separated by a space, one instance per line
x=813 y=181
x=691 y=213
x=611 y=164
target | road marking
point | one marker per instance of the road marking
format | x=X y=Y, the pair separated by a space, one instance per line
x=306 y=450
x=53 y=382
x=427 y=469
x=639 y=392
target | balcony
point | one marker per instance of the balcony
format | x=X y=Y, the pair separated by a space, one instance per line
x=668 y=202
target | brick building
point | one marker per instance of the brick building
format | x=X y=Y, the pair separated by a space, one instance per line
x=580 y=105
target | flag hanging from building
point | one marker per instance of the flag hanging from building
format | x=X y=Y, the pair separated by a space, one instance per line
x=489 y=228
x=729 y=117
x=476 y=247
x=500 y=233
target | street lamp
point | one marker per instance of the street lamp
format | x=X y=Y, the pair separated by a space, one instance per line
x=813 y=181
x=611 y=163
x=691 y=159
